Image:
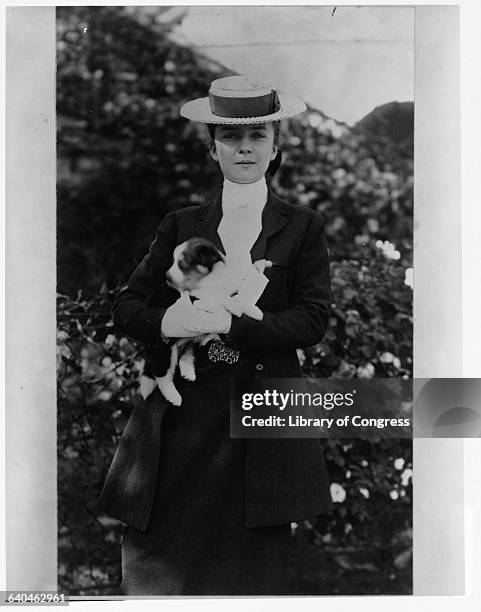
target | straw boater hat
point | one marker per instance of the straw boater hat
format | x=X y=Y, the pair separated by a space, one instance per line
x=237 y=100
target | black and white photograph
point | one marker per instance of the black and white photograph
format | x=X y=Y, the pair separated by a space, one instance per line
x=199 y=148
x=238 y=196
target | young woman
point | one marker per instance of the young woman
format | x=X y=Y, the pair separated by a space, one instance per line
x=207 y=514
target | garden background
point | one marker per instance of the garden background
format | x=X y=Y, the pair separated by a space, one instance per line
x=124 y=159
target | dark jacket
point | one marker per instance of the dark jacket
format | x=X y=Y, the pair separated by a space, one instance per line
x=285 y=479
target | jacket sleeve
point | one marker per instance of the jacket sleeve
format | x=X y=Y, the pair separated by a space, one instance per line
x=305 y=322
x=134 y=311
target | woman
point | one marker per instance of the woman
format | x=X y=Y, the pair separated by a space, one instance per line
x=206 y=514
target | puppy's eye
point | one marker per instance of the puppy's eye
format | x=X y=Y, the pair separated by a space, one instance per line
x=183 y=265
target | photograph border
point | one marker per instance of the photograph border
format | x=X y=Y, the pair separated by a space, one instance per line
x=30 y=290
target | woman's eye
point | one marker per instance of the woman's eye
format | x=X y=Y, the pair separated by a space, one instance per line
x=259 y=135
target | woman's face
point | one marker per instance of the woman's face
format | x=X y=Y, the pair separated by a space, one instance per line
x=244 y=151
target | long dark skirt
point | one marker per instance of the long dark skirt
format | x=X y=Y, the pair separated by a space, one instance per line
x=196 y=542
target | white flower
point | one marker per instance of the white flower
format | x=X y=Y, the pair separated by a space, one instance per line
x=396 y=362
x=386 y=357
x=338 y=493
x=409 y=277
x=406 y=476
x=365 y=372
x=364 y=492
x=109 y=340
x=394 y=495
x=314 y=120
x=399 y=463
x=388 y=249
x=361 y=239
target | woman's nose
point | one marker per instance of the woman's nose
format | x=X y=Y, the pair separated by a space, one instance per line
x=245 y=146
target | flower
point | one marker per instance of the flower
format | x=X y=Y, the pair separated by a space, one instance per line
x=364 y=492
x=386 y=357
x=406 y=476
x=314 y=120
x=109 y=340
x=338 y=493
x=388 y=249
x=399 y=463
x=366 y=371
x=409 y=277
x=394 y=495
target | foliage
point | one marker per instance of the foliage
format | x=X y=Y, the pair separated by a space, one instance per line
x=125 y=158
x=370 y=330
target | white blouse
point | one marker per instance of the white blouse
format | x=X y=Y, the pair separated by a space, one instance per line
x=241 y=223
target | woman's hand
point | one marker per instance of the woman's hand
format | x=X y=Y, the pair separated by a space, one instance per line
x=184 y=320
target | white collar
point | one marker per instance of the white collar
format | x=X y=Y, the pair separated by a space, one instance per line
x=243 y=195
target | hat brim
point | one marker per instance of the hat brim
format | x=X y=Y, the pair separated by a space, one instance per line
x=199 y=110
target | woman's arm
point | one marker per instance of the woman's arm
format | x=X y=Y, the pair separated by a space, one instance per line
x=306 y=321
x=131 y=310
x=135 y=315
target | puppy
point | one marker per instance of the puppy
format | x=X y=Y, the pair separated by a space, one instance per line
x=200 y=271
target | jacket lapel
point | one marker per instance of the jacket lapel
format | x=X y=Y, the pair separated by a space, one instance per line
x=273 y=220
x=208 y=219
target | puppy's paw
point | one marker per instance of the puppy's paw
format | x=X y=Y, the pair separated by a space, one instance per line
x=187 y=370
x=233 y=305
x=261 y=264
x=168 y=390
x=254 y=313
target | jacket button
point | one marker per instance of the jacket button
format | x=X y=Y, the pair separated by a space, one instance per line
x=259 y=367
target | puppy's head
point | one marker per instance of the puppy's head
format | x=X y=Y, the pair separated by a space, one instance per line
x=193 y=260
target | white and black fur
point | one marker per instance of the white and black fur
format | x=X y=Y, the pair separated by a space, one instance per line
x=200 y=271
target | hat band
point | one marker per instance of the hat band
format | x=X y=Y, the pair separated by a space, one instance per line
x=245 y=107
